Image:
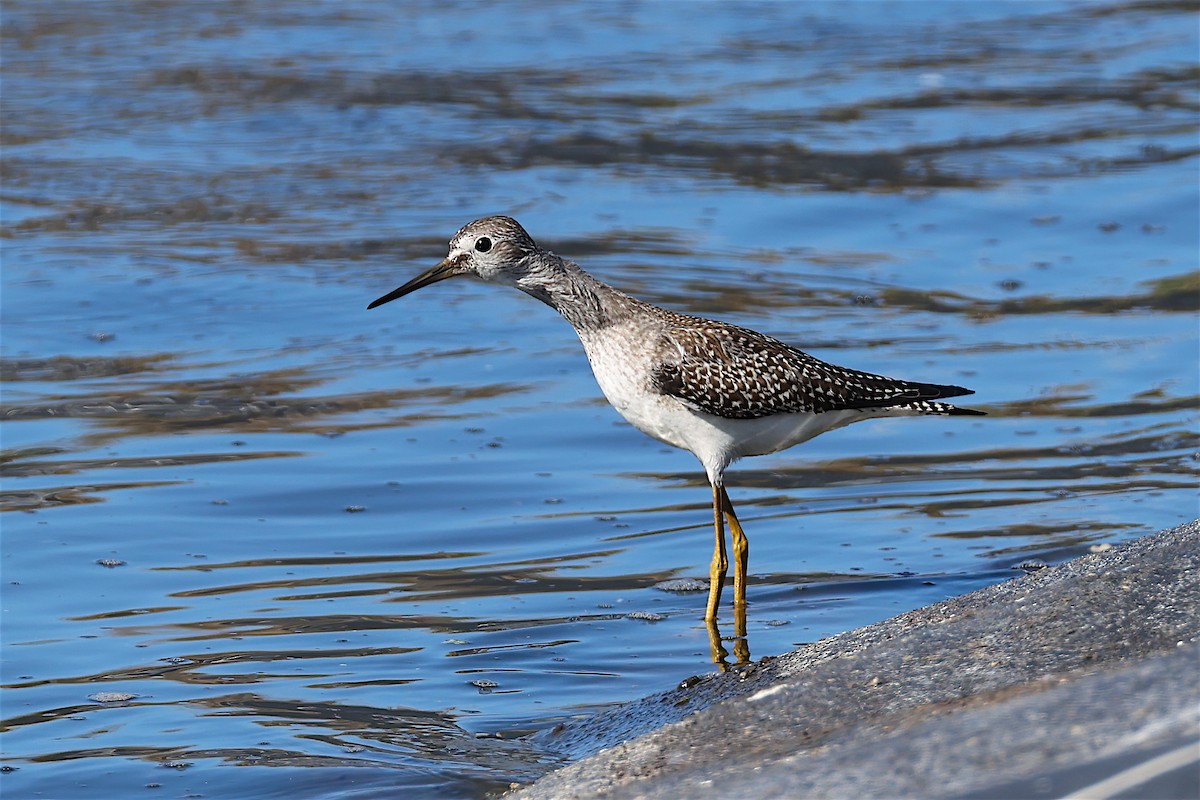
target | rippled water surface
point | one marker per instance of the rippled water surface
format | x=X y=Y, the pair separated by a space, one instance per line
x=263 y=543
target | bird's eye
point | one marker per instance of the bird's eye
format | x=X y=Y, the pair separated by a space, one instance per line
x=483 y=244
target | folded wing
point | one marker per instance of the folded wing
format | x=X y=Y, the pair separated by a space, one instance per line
x=737 y=373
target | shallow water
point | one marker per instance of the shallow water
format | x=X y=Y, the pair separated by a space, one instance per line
x=320 y=526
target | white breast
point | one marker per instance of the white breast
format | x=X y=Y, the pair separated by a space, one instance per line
x=623 y=369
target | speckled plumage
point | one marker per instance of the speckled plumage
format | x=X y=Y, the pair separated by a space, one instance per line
x=737 y=373
x=715 y=389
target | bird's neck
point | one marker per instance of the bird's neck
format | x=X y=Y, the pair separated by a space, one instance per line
x=584 y=301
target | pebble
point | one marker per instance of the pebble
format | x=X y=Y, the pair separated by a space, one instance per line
x=112 y=697
x=681 y=585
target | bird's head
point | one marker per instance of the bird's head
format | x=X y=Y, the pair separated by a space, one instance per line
x=495 y=249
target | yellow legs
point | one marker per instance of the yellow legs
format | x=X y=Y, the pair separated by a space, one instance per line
x=722 y=513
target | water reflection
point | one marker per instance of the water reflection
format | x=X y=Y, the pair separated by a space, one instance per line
x=230 y=402
x=200 y=198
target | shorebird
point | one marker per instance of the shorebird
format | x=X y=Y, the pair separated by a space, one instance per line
x=717 y=390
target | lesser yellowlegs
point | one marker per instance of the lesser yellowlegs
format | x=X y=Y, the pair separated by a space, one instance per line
x=715 y=389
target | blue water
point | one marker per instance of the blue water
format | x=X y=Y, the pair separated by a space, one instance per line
x=329 y=522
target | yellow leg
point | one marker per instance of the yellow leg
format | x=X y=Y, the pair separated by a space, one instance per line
x=720 y=562
x=741 y=550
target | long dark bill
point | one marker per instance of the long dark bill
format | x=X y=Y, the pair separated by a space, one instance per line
x=446 y=268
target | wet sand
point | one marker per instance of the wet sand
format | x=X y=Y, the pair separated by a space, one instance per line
x=1040 y=686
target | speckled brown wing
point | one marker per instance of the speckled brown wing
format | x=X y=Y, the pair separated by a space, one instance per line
x=738 y=373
